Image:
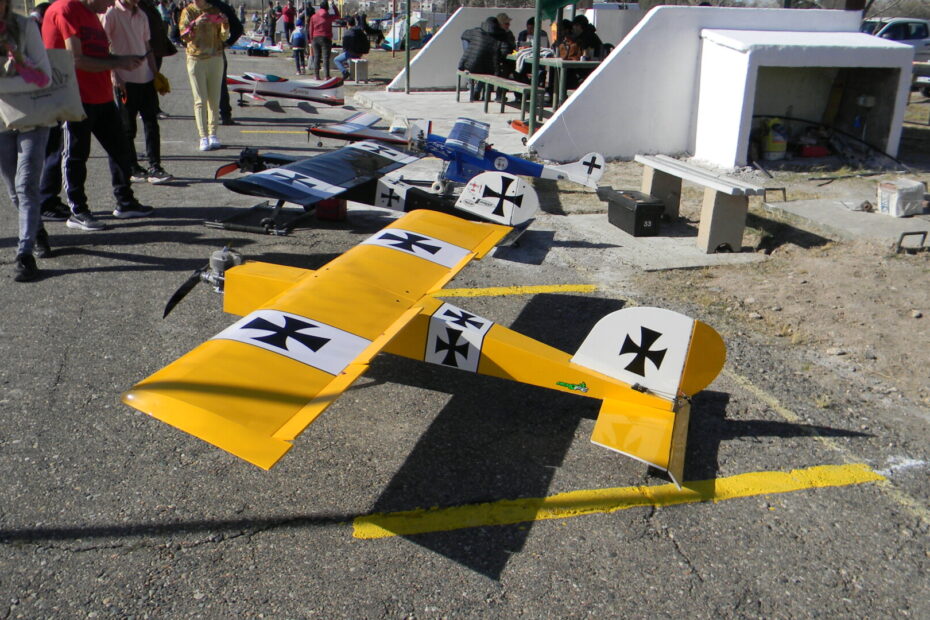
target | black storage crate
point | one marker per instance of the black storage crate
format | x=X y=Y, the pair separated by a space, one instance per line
x=635 y=212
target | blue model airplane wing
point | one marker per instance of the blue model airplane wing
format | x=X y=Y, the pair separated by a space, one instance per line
x=468 y=136
x=311 y=180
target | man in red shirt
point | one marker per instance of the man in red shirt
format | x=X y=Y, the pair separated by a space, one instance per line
x=321 y=37
x=289 y=16
x=74 y=25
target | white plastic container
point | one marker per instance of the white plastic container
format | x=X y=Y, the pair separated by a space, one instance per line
x=901 y=198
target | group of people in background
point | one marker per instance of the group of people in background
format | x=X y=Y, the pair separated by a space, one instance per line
x=117 y=47
x=488 y=46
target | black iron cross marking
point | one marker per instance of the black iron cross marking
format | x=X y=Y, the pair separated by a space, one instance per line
x=391 y=196
x=452 y=347
x=292 y=180
x=591 y=164
x=499 y=209
x=410 y=242
x=642 y=350
x=463 y=319
x=291 y=329
x=377 y=149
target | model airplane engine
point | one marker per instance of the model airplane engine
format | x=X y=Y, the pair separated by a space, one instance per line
x=213 y=273
x=220 y=261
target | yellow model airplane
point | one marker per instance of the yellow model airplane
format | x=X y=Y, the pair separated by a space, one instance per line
x=307 y=335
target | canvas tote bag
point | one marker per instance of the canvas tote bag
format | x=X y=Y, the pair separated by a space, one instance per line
x=59 y=101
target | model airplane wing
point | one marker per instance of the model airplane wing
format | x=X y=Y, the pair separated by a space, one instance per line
x=310 y=180
x=253 y=388
x=357 y=127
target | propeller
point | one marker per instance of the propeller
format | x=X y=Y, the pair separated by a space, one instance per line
x=213 y=273
x=249 y=161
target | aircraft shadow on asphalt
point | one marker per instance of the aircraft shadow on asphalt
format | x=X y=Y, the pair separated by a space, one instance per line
x=710 y=429
x=494 y=439
x=534 y=245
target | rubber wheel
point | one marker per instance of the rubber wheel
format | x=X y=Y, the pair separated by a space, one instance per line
x=437 y=187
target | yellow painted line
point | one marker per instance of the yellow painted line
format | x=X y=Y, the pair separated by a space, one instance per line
x=909 y=503
x=496 y=291
x=271 y=131
x=600 y=501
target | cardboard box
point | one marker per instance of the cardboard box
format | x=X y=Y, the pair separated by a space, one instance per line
x=901 y=198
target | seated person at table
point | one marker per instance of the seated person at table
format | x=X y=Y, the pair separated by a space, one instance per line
x=586 y=36
x=485 y=46
x=525 y=38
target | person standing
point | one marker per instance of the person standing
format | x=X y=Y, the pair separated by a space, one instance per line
x=236 y=30
x=127 y=27
x=321 y=36
x=289 y=17
x=74 y=25
x=22 y=151
x=203 y=30
x=299 y=47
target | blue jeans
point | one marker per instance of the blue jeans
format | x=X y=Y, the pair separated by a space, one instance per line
x=341 y=61
x=21 y=157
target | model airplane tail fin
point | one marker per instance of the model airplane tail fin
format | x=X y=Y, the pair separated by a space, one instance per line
x=500 y=198
x=586 y=171
x=418 y=128
x=659 y=352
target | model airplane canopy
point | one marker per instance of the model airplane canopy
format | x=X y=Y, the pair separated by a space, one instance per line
x=306 y=336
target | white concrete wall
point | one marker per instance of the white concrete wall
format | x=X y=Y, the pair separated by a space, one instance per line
x=644 y=97
x=435 y=64
x=613 y=23
x=724 y=94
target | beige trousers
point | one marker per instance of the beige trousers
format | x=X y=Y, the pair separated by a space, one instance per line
x=206 y=75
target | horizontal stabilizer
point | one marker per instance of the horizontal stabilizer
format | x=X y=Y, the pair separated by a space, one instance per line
x=586 y=171
x=654 y=436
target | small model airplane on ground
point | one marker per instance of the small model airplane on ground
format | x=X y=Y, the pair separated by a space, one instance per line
x=357 y=172
x=465 y=151
x=255 y=46
x=259 y=85
x=306 y=336
x=358 y=127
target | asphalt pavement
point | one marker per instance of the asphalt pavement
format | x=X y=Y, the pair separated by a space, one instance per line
x=500 y=505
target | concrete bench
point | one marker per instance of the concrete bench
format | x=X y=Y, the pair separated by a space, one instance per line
x=494 y=81
x=726 y=199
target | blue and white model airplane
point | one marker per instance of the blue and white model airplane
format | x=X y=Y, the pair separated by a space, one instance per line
x=465 y=151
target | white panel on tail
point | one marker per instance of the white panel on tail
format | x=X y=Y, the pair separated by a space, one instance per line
x=499 y=197
x=586 y=171
x=391 y=193
x=644 y=346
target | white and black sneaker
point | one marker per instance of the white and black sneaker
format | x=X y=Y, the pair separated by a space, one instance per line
x=132 y=210
x=138 y=175
x=157 y=175
x=85 y=221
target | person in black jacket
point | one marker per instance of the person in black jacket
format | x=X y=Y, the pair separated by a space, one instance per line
x=235 y=31
x=355 y=44
x=485 y=47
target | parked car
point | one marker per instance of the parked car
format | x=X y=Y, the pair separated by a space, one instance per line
x=907 y=30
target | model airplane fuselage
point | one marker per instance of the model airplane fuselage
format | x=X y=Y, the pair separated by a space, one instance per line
x=306 y=336
x=259 y=85
x=465 y=151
